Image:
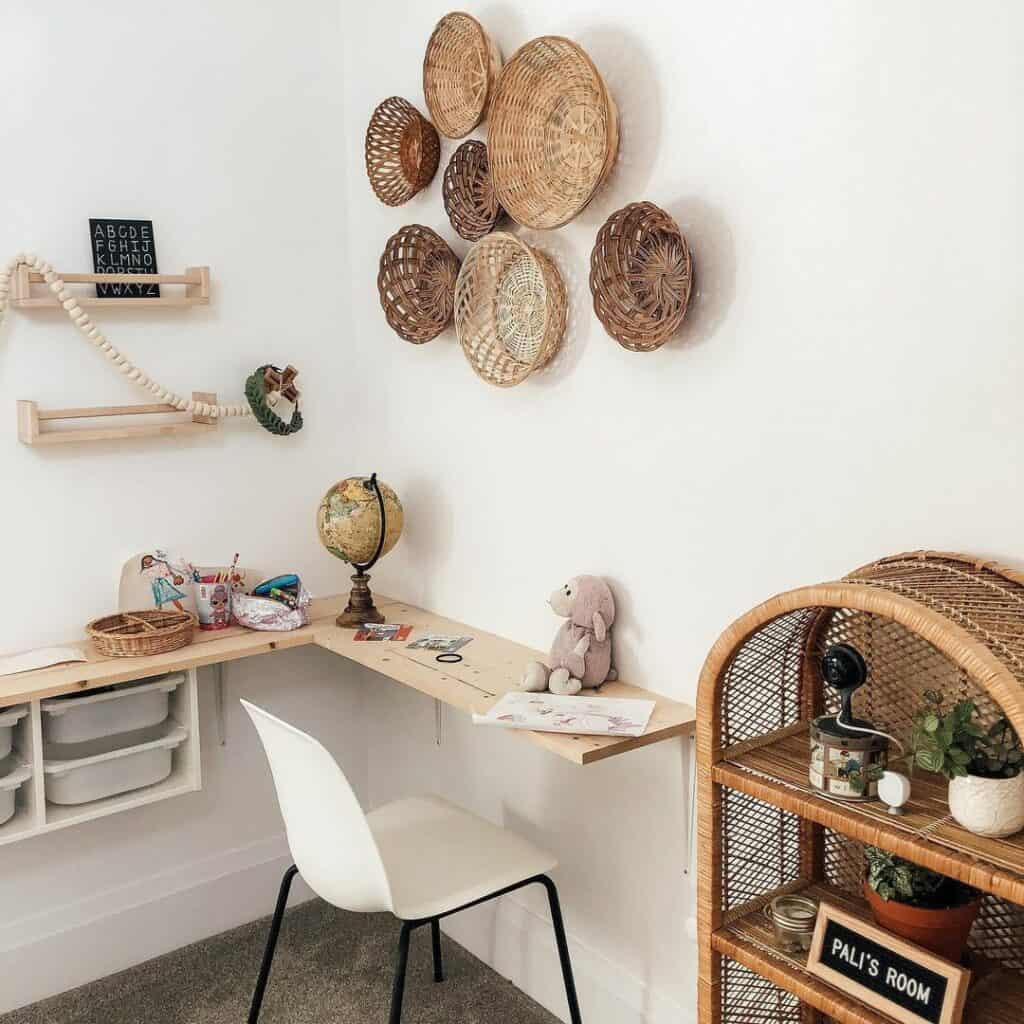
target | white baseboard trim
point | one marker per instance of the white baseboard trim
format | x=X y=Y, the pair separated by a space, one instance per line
x=109 y=931
x=519 y=944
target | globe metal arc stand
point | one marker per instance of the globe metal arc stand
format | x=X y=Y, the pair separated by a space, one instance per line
x=360 y=607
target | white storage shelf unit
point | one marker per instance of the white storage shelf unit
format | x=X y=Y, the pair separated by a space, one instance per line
x=79 y=758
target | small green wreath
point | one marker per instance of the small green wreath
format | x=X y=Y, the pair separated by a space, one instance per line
x=264 y=386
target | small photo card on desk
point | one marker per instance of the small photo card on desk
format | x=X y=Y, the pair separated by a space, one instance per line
x=580 y=716
x=382 y=631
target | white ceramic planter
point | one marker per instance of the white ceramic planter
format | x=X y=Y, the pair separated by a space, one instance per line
x=988 y=807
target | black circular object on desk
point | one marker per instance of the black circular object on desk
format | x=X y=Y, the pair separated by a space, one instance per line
x=449 y=658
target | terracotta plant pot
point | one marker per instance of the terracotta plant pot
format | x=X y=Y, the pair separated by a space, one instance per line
x=988 y=807
x=941 y=931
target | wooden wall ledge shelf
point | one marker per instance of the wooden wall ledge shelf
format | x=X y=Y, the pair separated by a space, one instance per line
x=995 y=997
x=195 y=283
x=31 y=420
x=490 y=668
x=925 y=834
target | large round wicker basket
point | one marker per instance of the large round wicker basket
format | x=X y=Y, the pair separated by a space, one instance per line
x=460 y=68
x=468 y=192
x=510 y=309
x=138 y=634
x=416 y=283
x=640 y=276
x=402 y=151
x=553 y=133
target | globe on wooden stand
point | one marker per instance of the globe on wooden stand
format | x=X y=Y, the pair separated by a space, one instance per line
x=359 y=520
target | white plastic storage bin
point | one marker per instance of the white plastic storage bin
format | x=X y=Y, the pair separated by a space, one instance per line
x=9 y=718
x=94 y=715
x=93 y=776
x=9 y=785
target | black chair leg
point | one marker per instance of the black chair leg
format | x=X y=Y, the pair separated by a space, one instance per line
x=435 y=937
x=563 y=950
x=398 y=991
x=268 y=953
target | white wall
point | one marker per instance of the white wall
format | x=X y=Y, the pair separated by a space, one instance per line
x=845 y=386
x=222 y=123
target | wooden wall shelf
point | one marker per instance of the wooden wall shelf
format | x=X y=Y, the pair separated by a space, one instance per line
x=31 y=419
x=195 y=283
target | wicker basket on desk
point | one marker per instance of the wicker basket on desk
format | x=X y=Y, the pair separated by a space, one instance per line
x=139 y=634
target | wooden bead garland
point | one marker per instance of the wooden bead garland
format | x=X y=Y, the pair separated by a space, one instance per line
x=402 y=151
x=468 y=193
x=460 y=69
x=510 y=309
x=640 y=276
x=552 y=134
x=416 y=283
x=93 y=334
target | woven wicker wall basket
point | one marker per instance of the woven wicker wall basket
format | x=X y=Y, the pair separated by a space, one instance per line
x=416 y=283
x=468 y=192
x=510 y=309
x=553 y=133
x=402 y=151
x=460 y=69
x=640 y=276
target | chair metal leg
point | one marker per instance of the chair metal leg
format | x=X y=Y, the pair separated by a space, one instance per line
x=435 y=937
x=268 y=953
x=563 y=949
x=398 y=991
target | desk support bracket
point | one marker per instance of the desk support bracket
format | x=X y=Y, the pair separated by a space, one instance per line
x=218 y=696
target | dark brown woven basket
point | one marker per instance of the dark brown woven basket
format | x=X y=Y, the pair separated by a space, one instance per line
x=460 y=69
x=138 y=634
x=416 y=283
x=468 y=194
x=640 y=276
x=402 y=151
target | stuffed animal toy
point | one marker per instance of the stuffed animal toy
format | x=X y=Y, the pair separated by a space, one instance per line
x=581 y=655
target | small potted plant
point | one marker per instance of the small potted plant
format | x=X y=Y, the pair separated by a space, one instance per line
x=918 y=904
x=986 y=783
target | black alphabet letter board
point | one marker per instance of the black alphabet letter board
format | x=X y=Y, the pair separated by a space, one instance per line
x=886 y=972
x=123 y=247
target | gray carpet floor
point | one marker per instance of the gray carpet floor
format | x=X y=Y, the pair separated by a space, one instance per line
x=331 y=968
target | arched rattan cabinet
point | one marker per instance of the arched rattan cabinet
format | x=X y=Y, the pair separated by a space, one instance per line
x=923 y=620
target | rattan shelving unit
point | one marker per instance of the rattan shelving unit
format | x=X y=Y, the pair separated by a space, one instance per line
x=922 y=620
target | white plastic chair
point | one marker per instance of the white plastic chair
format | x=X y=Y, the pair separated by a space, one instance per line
x=420 y=858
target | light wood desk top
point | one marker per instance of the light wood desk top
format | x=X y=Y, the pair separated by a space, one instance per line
x=491 y=666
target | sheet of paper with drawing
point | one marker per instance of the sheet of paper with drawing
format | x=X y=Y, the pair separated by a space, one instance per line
x=587 y=716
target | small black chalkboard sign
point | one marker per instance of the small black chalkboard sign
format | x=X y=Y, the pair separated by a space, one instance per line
x=892 y=975
x=123 y=247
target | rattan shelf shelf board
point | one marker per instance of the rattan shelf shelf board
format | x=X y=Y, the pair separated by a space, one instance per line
x=460 y=69
x=402 y=151
x=552 y=134
x=510 y=309
x=416 y=283
x=995 y=997
x=640 y=276
x=922 y=620
x=468 y=193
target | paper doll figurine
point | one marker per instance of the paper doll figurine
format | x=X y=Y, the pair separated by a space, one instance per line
x=221 y=605
x=165 y=579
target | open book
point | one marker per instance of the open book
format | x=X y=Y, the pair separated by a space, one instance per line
x=586 y=716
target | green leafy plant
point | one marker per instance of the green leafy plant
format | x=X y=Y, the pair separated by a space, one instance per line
x=951 y=741
x=894 y=878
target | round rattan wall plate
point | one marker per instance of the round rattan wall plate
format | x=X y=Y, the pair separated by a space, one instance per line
x=402 y=151
x=460 y=68
x=640 y=276
x=510 y=309
x=553 y=133
x=468 y=193
x=416 y=283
